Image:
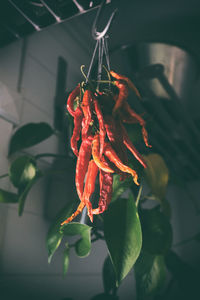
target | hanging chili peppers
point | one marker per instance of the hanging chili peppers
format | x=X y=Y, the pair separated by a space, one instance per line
x=98 y=122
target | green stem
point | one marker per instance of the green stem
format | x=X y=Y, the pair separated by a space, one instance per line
x=105 y=81
x=51 y=155
x=138 y=196
x=4 y=175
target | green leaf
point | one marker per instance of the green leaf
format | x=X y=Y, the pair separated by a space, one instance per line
x=109 y=277
x=157 y=174
x=66 y=260
x=29 y=135
x=24 y=190
x=22 y=171
x=23 y=174
x=123 y=235
x=150 y=274
x=156 y=231
x=82 y=246
x=8 y=197
x=119 y=187
x=55 y=235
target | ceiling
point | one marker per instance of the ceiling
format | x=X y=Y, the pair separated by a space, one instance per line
x=22 y=17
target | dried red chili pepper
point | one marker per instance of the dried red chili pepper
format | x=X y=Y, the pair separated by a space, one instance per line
x=102 y=130
x=108 y=157
x=76 y=213
x=105 y=182
x=82 y=164
x=122 y=96
x=70 y=101
x=127 y=142
x=78 y=117
x=114 y=134
x=131 y=113
x=87 y=111
x=127 y=80
x=90 y=187
x=96 y=155
x=113 y=157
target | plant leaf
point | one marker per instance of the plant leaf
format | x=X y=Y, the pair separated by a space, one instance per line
x=150 y=274
x=8 y=197
x=156 y=231
x=55 y=235
x=82 y=246
x=23 y=174
x=24 y=190
x=119 y=187
x=29 y=135
x=22 y=171
x=156 y=174
x=66 y=260
x=123 y=235
x=109 y=277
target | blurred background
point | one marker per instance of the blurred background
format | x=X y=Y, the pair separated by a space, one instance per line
x=42 y=46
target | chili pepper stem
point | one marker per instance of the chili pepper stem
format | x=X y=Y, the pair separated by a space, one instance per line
x=138 y=196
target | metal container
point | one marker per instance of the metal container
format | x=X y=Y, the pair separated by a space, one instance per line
x=179 y=67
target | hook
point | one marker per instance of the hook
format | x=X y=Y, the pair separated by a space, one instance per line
x=96 y=34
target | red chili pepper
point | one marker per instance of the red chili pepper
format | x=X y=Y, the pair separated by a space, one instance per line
x=127 y=80
x=116 y=140
x=78 y=117
x=87 y=111
x=115 y=137
x=127 y=142
x=105 y=181
x=82 y=164
x=122 y=96
x=96 y=155
x=90 y=187
x=76 y=213
x=131 y=113
x=70 y=101
x=113 y=157
x=102 y=130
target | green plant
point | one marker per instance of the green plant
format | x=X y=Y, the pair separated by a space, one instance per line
x=136 y=235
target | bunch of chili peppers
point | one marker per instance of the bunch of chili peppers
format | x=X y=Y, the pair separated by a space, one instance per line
x=98 y=122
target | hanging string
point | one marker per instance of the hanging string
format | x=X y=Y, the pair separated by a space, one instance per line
x=100 y=61
x=107 y=52
x=92 y=60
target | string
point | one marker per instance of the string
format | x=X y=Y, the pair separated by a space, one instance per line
x=100 y=62
x=107 y=53
x=92 y=60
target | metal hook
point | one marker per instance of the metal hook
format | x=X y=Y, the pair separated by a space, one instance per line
x=96 y=34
